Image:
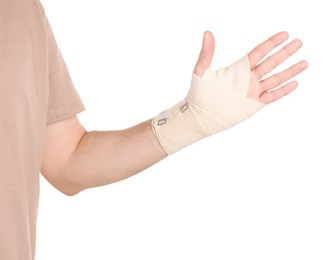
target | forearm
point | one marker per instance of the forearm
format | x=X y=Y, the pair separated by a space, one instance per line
x=104 y=157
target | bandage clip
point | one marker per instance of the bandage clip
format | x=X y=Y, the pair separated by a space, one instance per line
x=184 y=106
x=162 y=118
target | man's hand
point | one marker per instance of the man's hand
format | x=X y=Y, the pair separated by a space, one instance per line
x=218 y=100
x=261 y=89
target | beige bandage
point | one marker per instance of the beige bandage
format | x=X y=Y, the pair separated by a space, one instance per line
x=216 y=101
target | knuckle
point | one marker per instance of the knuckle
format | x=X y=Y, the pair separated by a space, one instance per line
x=272 y=63
x=278 y=79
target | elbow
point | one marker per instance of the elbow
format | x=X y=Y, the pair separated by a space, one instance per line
x=68 y=189
x=69 y=192
x=62 y=184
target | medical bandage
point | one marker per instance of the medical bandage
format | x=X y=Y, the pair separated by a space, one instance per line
x=216 y=101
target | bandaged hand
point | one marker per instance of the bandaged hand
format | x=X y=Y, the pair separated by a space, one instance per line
x=218 y=100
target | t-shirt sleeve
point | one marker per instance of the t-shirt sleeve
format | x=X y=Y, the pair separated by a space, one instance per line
x=64 y=101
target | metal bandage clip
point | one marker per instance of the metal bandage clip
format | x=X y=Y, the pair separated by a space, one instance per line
x=183 y=105
x=162 y=118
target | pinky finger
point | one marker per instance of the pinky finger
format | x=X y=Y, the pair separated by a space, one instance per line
x=271 y=96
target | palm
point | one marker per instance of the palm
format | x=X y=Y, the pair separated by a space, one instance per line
x=262 y=88
x=255 y=88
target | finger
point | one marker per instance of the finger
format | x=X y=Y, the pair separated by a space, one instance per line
x=271 y=96
x=274 y=60
x=259 y=52
x=280 y=78
x=206 y=54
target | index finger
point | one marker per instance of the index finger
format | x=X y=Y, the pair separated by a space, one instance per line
x=259 y=52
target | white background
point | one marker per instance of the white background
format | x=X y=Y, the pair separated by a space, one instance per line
x=262 y=190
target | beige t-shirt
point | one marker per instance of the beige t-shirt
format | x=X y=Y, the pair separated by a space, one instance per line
x=35 y=90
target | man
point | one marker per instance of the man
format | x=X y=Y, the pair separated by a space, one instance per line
x=39 y=130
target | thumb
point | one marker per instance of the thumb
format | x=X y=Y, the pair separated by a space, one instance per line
x=206 y=54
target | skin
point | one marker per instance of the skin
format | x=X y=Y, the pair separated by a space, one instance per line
x=75 y=160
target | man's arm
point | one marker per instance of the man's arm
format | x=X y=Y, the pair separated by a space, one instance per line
x=75 y=160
